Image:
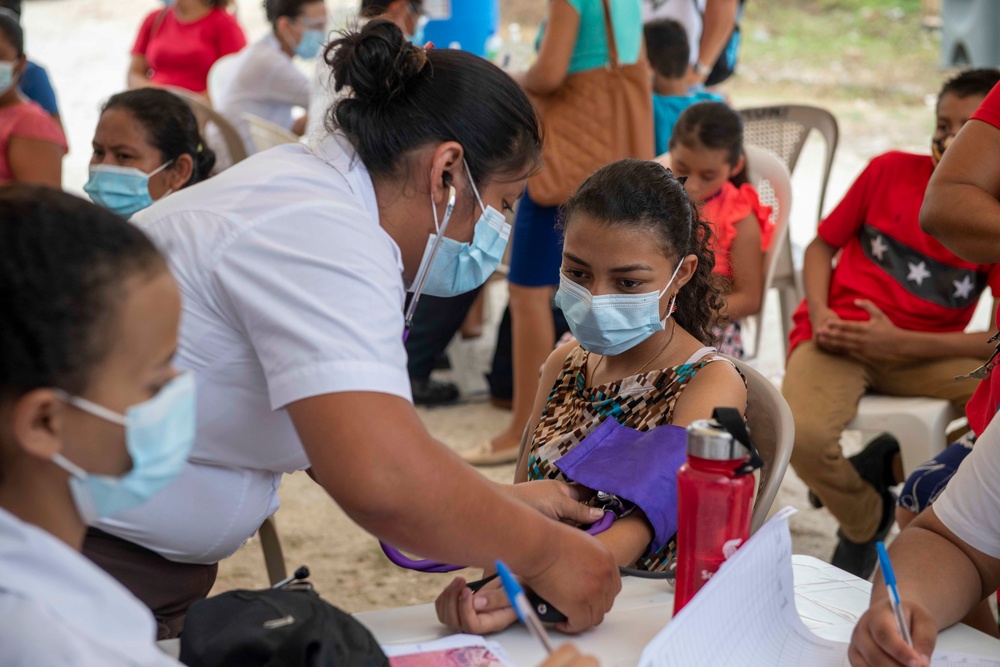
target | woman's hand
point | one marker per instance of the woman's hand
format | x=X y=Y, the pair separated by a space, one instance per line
x=568 y=656
x=556 y=500
x=876 y=640
x=487 y=610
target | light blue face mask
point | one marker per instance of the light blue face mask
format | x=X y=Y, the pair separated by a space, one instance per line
x=311 y=43
x=449 y=267
x=6 y=75
x=610 y=324
x=159 y=434
x=122 y=190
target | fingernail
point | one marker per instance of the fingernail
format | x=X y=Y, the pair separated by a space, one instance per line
x=479 y=602
x=596 y=512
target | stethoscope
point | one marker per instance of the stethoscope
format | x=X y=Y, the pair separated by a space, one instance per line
x=421 y=279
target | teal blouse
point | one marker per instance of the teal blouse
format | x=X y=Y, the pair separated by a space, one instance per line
x=591 y=50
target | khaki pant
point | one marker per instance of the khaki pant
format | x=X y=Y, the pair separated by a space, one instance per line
x=823 y=391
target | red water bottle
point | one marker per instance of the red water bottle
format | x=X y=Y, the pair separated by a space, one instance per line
x=714 y=503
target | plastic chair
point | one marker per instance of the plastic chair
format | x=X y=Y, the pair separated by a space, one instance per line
x=274 y=558
x=919 y=423
x=221 y=76
x=783 y=130
x=206 y=115
x=770 y=177
x=266 y=134
x=773 y=432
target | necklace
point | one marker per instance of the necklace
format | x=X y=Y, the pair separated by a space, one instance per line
x=673 y=328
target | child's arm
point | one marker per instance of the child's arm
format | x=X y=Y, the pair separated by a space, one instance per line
x=817 y=269
x=879 y=338
x=748 y=270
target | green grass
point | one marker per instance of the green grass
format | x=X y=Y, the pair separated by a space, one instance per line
x=860 y=48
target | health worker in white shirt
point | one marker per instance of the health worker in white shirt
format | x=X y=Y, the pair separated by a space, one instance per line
x=294 y=267
x=263 y=80
x=93 y=421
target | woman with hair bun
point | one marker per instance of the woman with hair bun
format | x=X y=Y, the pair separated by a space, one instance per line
x=146 y=145
x=295 y=266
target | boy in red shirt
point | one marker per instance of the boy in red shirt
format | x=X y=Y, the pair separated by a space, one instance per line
x=885 y=310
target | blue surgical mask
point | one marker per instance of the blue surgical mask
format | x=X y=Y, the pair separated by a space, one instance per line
x=311 y=43
x=6 y=75
x=122 y=190
x=610 y=324
x=455 y=267
x=159 y=434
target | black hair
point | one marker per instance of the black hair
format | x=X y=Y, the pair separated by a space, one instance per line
x=63 y=263
x=10 y=29
x=170 y=125
x=667 y=48
x=640 y=193
x=971 y=82
x=715 y=126
x=13 y=6
x=404 y=97
x=275 y=9
x=373 y=8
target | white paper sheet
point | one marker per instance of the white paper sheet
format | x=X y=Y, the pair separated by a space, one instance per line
x=746 y=614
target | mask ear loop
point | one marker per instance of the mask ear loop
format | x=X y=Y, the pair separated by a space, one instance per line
x=673 y=300
x=421 y=279
x=475 y=190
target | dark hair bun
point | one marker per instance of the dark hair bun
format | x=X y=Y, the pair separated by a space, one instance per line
x=378 y=63
x=204 y=161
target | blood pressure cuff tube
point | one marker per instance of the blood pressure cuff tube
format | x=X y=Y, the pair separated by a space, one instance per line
x=639 y=466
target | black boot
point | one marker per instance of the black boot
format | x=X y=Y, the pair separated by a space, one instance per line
x=874 y=463
x=860 y=558
x=432 y=392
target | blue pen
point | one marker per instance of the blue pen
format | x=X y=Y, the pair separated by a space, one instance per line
x=890 y=583
x=521 y=605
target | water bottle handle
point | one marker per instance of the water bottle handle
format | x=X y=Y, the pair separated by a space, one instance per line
x=731 y=421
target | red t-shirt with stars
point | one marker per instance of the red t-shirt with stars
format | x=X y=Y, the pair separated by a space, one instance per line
x=885 y=258
x=983 y=404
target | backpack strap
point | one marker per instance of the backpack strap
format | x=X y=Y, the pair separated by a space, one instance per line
x=731 y=421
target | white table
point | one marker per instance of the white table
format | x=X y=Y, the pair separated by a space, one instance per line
x=829 y=601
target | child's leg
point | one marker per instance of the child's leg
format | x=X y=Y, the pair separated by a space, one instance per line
x=823 y=391
x=934 y=378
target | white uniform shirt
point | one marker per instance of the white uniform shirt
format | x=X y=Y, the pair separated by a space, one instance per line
x=290 y=289
x=267 y=84
x=686 y=12
x=970 y=504
x=58 y=608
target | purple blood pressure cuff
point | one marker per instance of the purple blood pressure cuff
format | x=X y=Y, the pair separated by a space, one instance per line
x=639 y=466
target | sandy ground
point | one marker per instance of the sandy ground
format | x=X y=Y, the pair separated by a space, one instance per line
x=85 y=44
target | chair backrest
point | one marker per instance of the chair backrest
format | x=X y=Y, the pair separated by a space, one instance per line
x=772 y=429
x=783 y=130
x=266 y=134
x=221 y=76
x=770 y=177
x=206 y=115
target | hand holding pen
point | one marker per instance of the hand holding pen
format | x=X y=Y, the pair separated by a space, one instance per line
x=894 y=630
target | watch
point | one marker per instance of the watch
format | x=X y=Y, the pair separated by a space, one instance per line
x=701 y=69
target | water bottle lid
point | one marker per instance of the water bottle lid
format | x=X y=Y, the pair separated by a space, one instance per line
x=706 y=439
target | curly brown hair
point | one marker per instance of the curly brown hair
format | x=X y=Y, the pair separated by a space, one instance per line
x=638 y=193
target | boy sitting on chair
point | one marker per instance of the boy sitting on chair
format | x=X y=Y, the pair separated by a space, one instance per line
x=885 y=311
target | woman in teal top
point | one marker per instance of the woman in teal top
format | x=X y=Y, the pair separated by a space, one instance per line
x=572 y=40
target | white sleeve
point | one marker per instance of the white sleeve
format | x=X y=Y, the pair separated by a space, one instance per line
x=317 y=291
x=29 y=637
x=282 y=82
x=970 y=505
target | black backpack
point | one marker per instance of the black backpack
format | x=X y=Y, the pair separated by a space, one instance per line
x=726 y=64
x=276 y=627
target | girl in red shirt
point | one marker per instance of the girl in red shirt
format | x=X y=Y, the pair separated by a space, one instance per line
x=177 y=45
x=707 y=148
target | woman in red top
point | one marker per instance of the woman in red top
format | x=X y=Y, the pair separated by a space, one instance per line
x=32 y=144
x=177 y=45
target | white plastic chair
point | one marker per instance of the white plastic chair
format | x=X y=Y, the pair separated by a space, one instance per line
x=773 y=432
x=769 y=175
x=266 y=134
x=216 y=129
x=221 y=76
x=919 y=423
